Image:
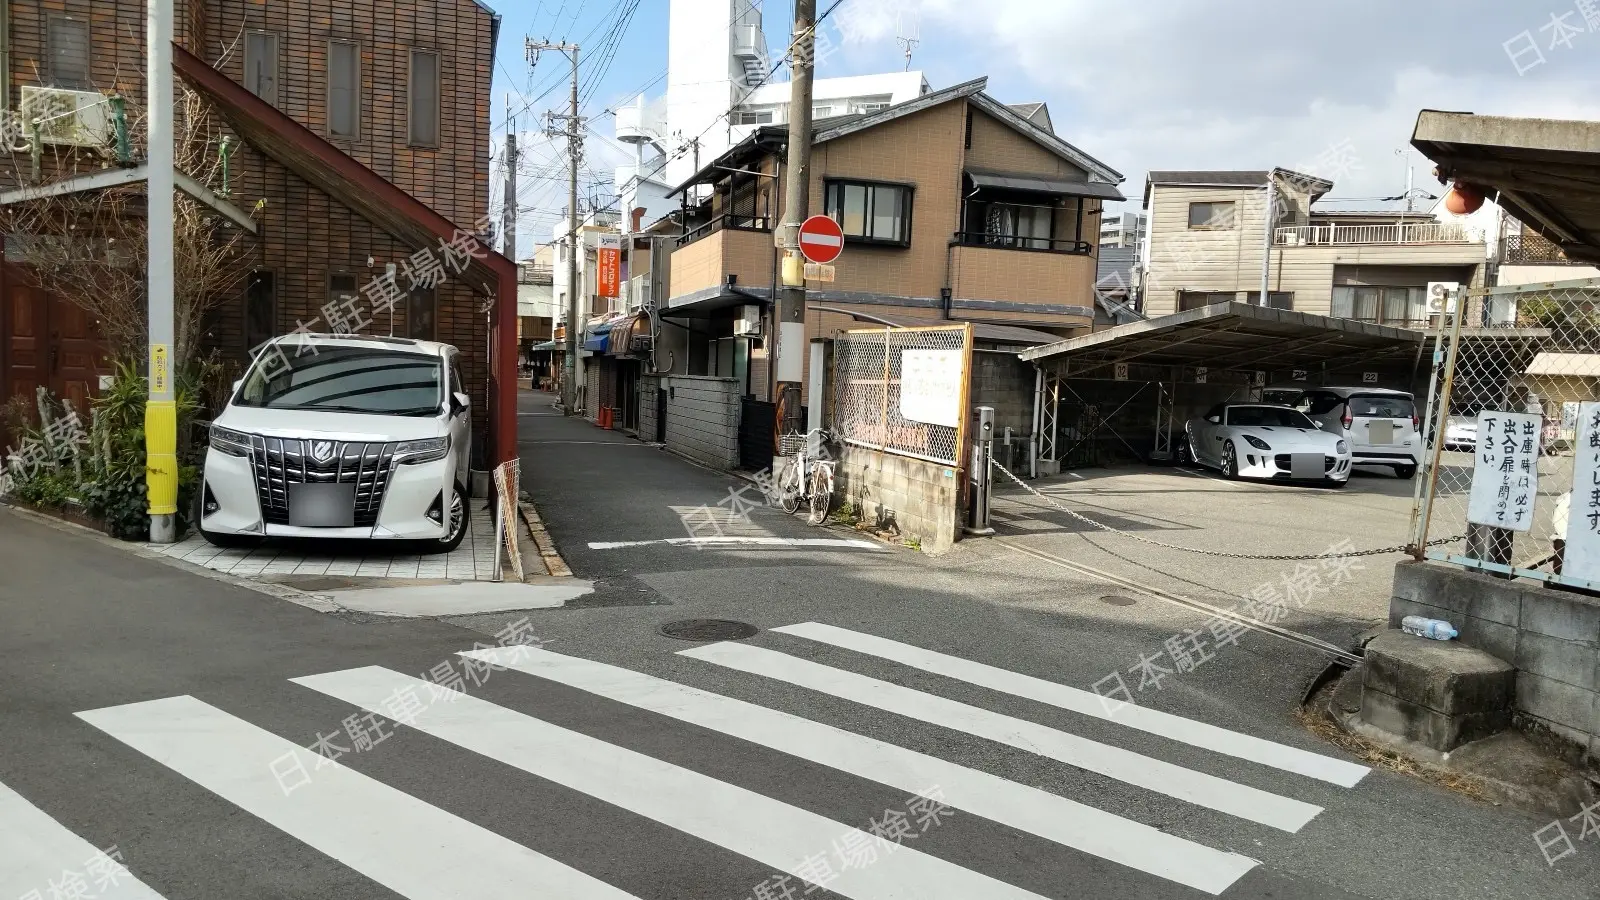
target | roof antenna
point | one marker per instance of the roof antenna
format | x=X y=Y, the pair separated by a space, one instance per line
x=907 y=30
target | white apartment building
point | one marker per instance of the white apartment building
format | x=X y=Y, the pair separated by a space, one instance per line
x=718 y=60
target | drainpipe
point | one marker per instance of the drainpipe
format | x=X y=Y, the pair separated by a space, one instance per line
x=1038 y=421
x=1266 y=244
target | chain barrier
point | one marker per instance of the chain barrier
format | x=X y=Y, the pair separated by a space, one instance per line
x=1276 y=557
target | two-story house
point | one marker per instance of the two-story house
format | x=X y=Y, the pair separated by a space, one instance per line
x=954 y=206
x=1214 y=236
x=358 y=140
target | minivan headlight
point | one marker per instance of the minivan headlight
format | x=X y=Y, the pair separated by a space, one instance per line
x=226 y=440
x=411 y=453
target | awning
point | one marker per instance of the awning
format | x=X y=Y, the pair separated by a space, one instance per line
x=708 y=302
x=1569 y=365
x=547 y=345
x=623 y=332
x=1059 y=187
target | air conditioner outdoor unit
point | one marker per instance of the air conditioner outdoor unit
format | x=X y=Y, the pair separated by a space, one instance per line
x=1442 y=296
x=75 y=118
x=749 y=322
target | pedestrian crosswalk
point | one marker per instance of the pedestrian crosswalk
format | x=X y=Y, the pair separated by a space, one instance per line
x=418 y=850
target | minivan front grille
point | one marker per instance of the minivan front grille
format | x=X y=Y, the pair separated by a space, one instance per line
x=280 y=462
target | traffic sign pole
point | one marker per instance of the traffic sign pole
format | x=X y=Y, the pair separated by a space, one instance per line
x=790 y=315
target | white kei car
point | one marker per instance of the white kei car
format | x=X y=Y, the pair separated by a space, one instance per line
x=1261 y=440
x=333 y=436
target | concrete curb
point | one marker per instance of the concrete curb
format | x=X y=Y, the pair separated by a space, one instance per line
x=548 y=555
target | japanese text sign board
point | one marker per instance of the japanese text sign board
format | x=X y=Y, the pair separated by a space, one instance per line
x=930 y=386
x=608 y=259
x=1505 y=474
x=1582 y=557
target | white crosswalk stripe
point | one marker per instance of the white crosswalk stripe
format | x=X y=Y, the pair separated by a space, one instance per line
x=420 y=851
x=414 y=849
x=40 y=857
x=696 y=804
x=1151 y=721
x=1127 y=766
x=1025 y=808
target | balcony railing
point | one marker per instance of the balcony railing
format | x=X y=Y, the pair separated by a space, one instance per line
x=737 y=223
x=1340 y=235
x=1530 y=248
x=1013 y=242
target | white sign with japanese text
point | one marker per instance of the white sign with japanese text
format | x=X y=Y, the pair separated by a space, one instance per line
x=1582 y=556
x=930 y=386
x=1505 y=474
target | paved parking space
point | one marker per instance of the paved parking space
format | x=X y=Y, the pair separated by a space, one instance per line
x=1196 y=508
x=472 y=561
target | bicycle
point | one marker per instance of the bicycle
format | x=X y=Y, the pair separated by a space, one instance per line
x=807 y=476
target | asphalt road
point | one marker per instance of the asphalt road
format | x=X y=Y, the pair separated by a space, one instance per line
x=157 y=711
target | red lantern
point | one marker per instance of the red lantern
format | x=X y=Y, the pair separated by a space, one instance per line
x=1464 y=199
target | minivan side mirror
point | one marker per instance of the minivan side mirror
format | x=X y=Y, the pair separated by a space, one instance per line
x=460 y=402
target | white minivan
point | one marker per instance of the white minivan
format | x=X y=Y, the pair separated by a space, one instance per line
x=1380 y=424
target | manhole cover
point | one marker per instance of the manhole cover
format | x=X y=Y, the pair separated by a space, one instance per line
x=1118 y=600
x=708 y=630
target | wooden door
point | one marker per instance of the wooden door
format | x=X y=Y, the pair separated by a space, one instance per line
x=27 y=356
x=75 y=355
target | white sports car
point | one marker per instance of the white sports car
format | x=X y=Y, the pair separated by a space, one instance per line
x=1258 y=440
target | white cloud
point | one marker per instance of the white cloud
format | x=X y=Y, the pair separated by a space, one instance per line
x=1245 y=84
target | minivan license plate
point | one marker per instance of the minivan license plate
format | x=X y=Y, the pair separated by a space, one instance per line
x=322 y=505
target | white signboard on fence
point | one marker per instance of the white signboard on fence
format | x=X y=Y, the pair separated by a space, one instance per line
x=930 y=386
x=1582 y=556
x=1505 y=474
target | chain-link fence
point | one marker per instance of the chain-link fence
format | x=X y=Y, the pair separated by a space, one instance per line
x=903 y=390
x=1516 y=371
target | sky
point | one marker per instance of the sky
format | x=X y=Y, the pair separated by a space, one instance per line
x=1331 y=88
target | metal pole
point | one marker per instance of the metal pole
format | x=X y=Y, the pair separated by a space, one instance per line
x=161 y=409
x=1266 y=243
x=573 y=366
x=508 y=209
x=790 y=318
x=1420 y=548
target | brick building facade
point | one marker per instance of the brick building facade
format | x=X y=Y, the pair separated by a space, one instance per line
x=336 y=108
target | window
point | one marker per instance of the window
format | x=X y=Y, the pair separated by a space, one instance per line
x=753 y=117
x=260 y=310
x=872 y=106
x=1382 y=305
x=69 y=53
x=821 y=112
x=1195 y=299
x=344 y=89
x=871 y=212
x=424 y=98
x=1019 y=225
x=1382 y=407
x=1212 y=215
x=421 y=311
x=1270 y=416
x=1275 y=299
x=261 y=65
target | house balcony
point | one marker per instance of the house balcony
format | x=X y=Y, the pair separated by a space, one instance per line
x=1023 y=270
x=1366 y=235
x=739 y=246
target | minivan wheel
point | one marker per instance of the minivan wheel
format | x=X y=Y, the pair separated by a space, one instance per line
x=1405 y=472
x=460 y=518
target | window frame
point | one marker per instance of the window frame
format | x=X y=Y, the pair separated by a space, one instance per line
x=250 y=61
x=51 y=77
x=835 y=187
x=260 y=284
x=412 y=296
x=411 y=101
x=355 y=91
x=1208 y=224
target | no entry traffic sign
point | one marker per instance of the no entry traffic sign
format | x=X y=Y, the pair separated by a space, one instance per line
x=821 y=239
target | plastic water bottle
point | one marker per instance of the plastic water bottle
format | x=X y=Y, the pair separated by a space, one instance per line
x=1435 y=629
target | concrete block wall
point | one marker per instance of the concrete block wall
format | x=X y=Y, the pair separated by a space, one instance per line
x=702 y=418
x=920 y=498
x=648 y=385
x=1552 y=637
x=1003 y=381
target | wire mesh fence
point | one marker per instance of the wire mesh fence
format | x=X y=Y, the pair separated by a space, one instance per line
x=1511 y=438
x=903 y=390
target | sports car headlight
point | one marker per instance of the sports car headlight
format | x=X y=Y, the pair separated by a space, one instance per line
x=1257 y=443
x=411 y=453
x=226 y=440
x=1343 y=447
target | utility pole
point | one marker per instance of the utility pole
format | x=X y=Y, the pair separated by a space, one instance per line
x=161 y=410
x=574 y=133
x=508 y=209
x=790 y=317
x=1266 y=243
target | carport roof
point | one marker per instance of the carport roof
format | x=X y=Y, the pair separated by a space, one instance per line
x=1545 y=170
x=1231 y=335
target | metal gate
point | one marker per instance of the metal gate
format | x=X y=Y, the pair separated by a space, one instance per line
x=881 y=374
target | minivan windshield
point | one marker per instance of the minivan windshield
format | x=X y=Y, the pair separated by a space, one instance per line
x=1281 y=416
x=1382 y=407
x=345 y=379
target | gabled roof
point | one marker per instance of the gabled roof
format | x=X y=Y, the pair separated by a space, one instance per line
x=1242 y=178
x=834 y=127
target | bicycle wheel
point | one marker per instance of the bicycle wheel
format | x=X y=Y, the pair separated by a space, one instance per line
x=821 y=495
x=789 y=487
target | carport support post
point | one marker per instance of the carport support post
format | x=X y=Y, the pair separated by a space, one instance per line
x=161 y=409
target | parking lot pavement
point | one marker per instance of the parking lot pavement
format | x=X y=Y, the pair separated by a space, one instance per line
x=1197 y=509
